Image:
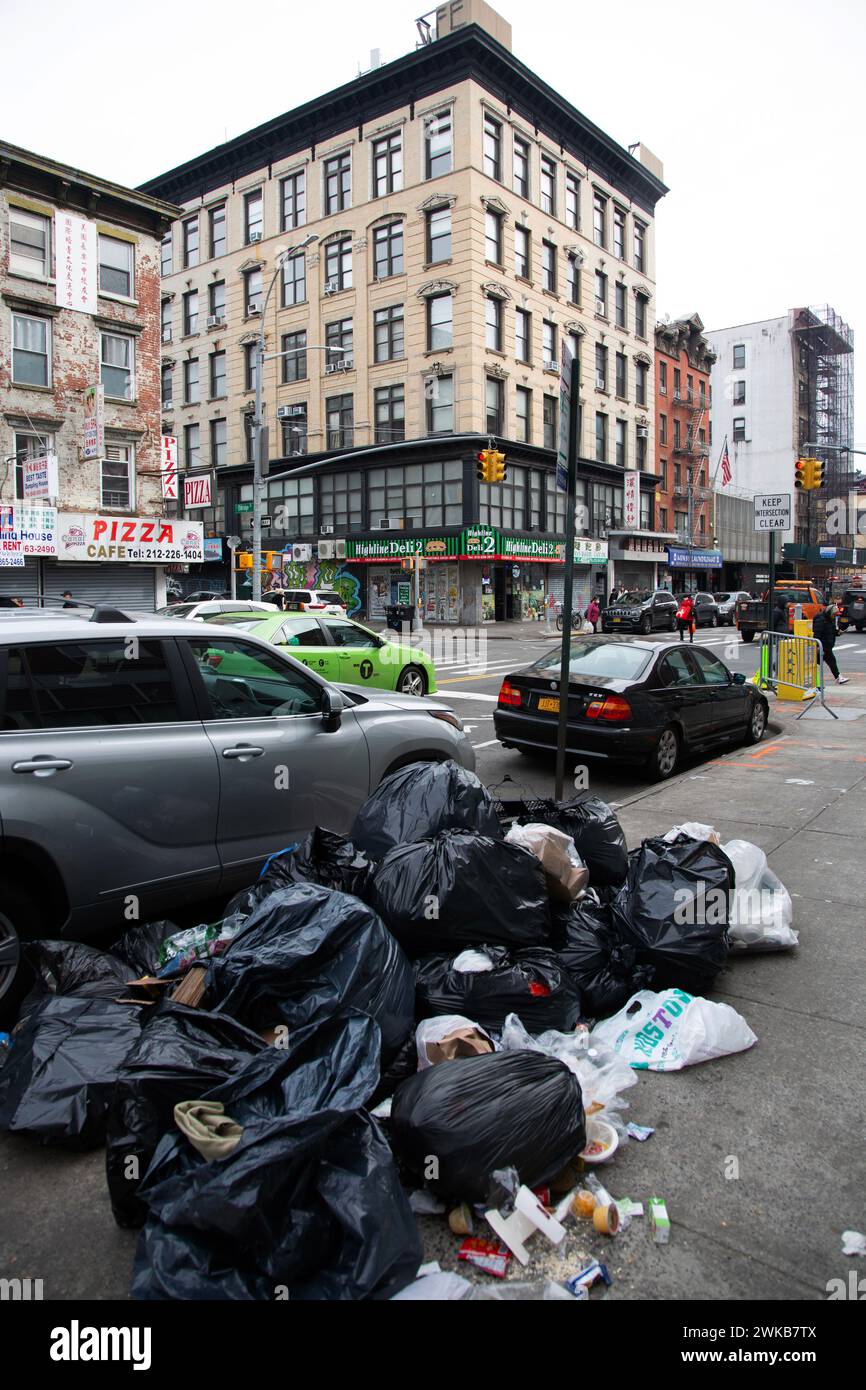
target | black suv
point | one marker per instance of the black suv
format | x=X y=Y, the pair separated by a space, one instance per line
x=641 y=610
x=853 y=609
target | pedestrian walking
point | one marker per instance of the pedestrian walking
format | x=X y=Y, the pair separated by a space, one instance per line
x=780 y=614
x=592 y=613
x=614 y=594
x=824 y=628
x=67 y=599
x=686 y=618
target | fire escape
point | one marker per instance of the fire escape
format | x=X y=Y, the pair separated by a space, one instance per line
x=692 y=452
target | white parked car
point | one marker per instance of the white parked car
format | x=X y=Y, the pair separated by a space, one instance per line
x=208 y=608
x=314 y=601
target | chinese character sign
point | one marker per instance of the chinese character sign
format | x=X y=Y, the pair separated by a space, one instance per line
x=631 y=501
x=75 y=241
x=94 y=423
x=168 y=466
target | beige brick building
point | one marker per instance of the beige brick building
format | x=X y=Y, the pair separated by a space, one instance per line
x=467 y=224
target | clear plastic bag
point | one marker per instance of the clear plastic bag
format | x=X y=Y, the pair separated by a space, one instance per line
x=761 y=911
x=672 y=1029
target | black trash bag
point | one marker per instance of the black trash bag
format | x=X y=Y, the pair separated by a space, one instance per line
x=308 y=1203
x=673 y=908
x=418 y=801
x=71 y=967
x=404 y=1065
x=532 y=983
x=597 y=834
x=139 y=946
x=323 y=857
x=479 y=1114
x=461 y=888
x=308 y=952
x=181 y=1054
x=604 y=968
x=62 y=1066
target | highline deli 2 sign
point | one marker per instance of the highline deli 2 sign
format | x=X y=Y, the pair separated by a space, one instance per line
x=475 y=543
x=26 y=531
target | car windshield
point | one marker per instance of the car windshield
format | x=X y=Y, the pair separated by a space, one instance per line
x=247 y=622
x=176 y=610
x=722 y=598
x=330 y=598
x=634 y=596
x=593 y=657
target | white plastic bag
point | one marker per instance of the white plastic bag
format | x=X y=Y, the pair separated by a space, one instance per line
x=472 y=962
x=671 y=1030
x=434 y=1030
x=761 y=911
x=695 y=830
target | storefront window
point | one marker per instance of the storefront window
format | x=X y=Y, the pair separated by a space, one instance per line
x=504 y=504
x=340 y=501
x=556 y=504
x=421 y=495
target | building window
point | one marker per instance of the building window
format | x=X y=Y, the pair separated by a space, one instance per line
x=191 y=446
x=338 y=182
x=601 y=293
x=621 y=309
x=30 y=243
x=31 y=351
x=167 y=392
x=739 y=392
x=492 y=158
x=640 y=315
x=639 y=246
x=572 y=200
x=294 y=358
x=190 y=313
x=663 y=475
x=521 y=167
x=117 y=366
x=440 y=322
x=190 y=242
x=493 y=237
x=440 y=404
x=116 y=266
x=663 y=429
x=338 y=264
x=190 y=381
x=165 y=320
x=548 y=184
x=621 y=427
x=522 y=253
x=550 y=405
x=340 y=418
x=29 y=446
x=295 y=432
x=548 y=266
x=250 y=365
x=116 y=477
x=621 y=389
x=601 y=437
x=339 y=339
x=219 y=447
x=739 y=356
x=494 y=397
x=388 y=164
x=249 y=437
x=217 y=226
x=573 y=269
x=389 y=408
x=548 y=344
x=618 y=232
x=252 y=292
x=438 y=235
x=641 y=379
x=523 y=335
x=388 y=342
x=253 y=216
x=523 y=412
x=493 y=322
x=677 y=384
x=600 y=367
x=294 y=280
x=388 y=250
x=647 y=499
x=599 y=219
x=438 y=144
x=218 y=375
x=739 y=428
x=165 y=257
x=293 y=192
x=663 y=518
x=678 y=438
x=216 y=305
x=572 y=342
x=340 y=500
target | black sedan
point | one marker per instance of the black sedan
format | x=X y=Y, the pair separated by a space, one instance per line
x=633 y=702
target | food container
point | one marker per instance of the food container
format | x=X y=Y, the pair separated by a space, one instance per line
x=602 y=1141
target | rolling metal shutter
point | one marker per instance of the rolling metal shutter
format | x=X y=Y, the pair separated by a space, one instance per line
x=21 y=583
x=124 y=586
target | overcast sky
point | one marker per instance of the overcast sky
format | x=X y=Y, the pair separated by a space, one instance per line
x=756 y=107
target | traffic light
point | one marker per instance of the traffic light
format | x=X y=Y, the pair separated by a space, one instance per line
x=491 y=466
x=818 y=473
x=804 y=474
x=483 y=469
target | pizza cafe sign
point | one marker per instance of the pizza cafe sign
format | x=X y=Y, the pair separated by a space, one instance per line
x=130 y=540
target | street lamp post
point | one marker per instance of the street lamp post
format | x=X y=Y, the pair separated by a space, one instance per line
x=259 y=433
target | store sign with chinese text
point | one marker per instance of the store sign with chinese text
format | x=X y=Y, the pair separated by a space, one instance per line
x=94 y=422
x=631 y=500
x=26 y=531
x=39 y=476
x=76 y=262
x=589 y=552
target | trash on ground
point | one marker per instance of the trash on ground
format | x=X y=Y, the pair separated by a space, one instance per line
x=670 y=1030
x=449 y=1036
x=177 y=953
x=531 y=982
x=528 y=1216
x=565 y=871
x=639 y=1132
x=602 y=1141
x=437 y=1286
x=461 y=1220
x=604 y=968
x=593 y=1273
x=516 y=1291
x=602 y=1073
x=762 y=912
x=323 y=857
x=418 y=801
x=488 y=1255
x=596 y=833
x=605 y=1219
x=659 y=1220
x=853 y=1243
x=212 y=1132
x=695 y=830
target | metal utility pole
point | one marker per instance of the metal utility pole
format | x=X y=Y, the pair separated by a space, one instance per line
x=260 y=433
x=568 y=582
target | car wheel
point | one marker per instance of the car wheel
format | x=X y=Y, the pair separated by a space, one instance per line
x=748 y=636
x=19 y=921
x=666 y=756
x=714 y=620
x=412 y=681
x=757 y=725
x=646 y=623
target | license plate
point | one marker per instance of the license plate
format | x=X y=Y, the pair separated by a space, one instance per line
x=549 y=705
x=616 y=620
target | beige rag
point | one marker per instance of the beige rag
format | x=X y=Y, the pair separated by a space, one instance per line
x=207 y=1127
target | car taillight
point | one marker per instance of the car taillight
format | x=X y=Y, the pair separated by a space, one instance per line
x=509 y=696
x=612 y=707
x=214 y=658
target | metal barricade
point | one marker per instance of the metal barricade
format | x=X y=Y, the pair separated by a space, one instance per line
x=792 y=667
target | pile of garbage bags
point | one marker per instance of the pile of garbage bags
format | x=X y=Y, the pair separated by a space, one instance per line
x=481 y=987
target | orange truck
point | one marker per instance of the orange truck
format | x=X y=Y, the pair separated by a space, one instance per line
x=752 y=613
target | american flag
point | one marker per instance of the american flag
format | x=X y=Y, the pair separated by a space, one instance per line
x=726 y=466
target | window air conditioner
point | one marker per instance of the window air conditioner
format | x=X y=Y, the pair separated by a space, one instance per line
x=331 y=287
x=390 y=523
x=283 y=412
x=551 y=365
x=215 y=320
x=166 y=334
x=253 y=309
x=327 y=528
x=255 y=236
x=642 y=432
x=600 y=307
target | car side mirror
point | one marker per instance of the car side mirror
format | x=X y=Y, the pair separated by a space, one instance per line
x=739 y=678
x=333 y=705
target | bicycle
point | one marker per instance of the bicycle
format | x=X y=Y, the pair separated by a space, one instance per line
x=576 y=620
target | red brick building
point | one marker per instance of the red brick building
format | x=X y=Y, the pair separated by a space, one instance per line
x=683 y=359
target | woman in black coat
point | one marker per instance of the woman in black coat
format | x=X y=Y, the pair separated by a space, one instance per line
x=824 y=628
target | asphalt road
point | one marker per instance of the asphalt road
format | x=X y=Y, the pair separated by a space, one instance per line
x=474 y=689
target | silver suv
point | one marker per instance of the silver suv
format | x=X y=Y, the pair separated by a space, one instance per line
x=146 y=763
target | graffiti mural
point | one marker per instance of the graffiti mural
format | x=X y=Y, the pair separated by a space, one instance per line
x=319 y=574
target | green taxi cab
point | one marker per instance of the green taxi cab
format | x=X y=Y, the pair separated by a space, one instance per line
x=338 y=649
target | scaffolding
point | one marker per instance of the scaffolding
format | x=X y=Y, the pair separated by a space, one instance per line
x=824 y=357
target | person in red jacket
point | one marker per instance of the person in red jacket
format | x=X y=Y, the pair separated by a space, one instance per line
x=686 y=617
